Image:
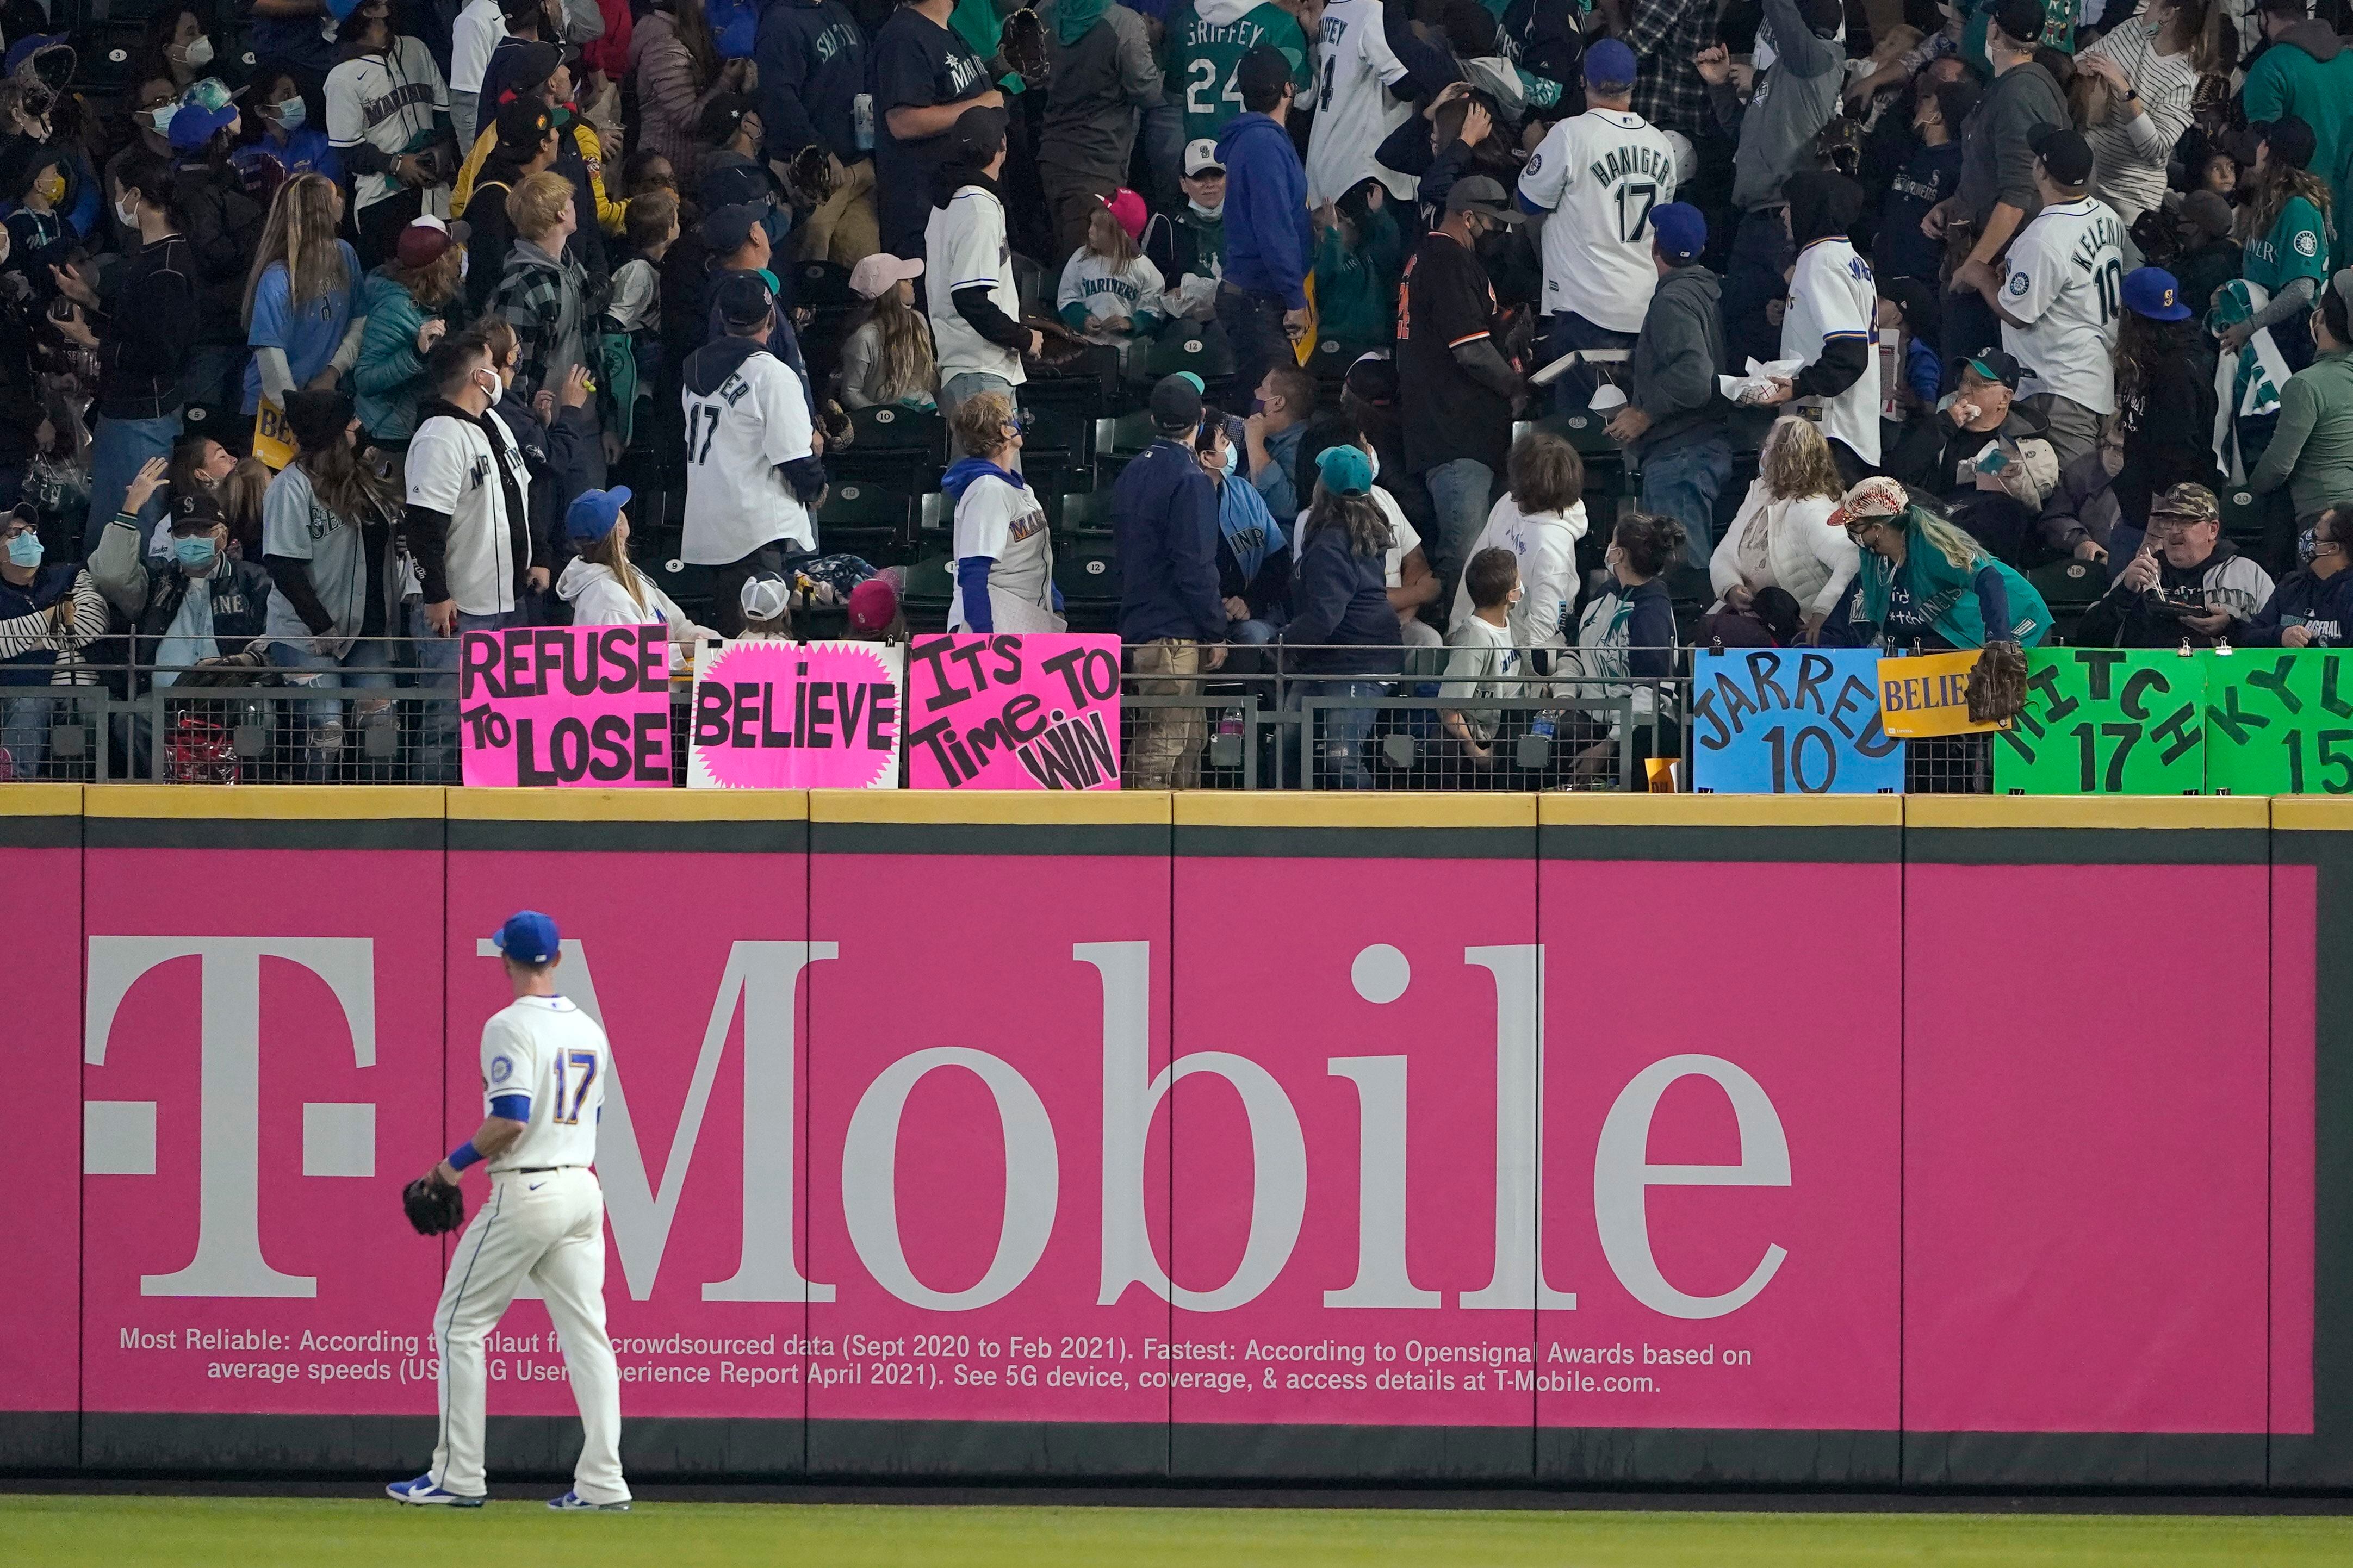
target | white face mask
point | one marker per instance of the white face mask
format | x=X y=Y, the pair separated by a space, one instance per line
x=1217 y=211
x=127 y=214
x=198 y=55
x=1373 y=460
x=498 y=387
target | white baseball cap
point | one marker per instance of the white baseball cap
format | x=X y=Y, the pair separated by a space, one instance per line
x=1201 y=155
x=765 y=597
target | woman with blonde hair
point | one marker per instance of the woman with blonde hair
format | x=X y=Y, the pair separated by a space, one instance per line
x=1778 y=541
x=601 y=585
x=887 y=357
x=302 y=296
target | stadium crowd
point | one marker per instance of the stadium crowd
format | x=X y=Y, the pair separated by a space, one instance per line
x=331 y=327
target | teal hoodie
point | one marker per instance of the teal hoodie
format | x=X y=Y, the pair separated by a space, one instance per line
x=389 y=379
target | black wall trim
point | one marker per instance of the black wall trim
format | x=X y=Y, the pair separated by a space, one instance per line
x=990 y=1450
x=2108 y=1461
x=40 y=1440
x=1639 y=1456
x=1356 y=843
x=250 y=833
x=1130 y=838
x=2087 y=847
x=1839 y=846
x=40 y=832
x=778 y=837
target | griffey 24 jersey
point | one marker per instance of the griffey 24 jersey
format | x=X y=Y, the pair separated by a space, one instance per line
x=1599 y=174
x=546 y=1047
x=2065 y=280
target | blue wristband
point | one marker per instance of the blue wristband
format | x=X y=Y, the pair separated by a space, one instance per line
x=463 y=1155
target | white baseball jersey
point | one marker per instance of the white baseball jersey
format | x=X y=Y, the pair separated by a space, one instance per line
x=1599 y=174
x=452 y=468
x=388 y=101
x=1355 y=110
x=546 y=1047
x=966 y=246
x=2065 y=280
x=1004 y=524
x=1832 y=295
x=736 y=501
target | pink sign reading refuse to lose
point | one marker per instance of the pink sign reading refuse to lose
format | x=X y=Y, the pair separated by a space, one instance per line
x=1035 y=710
x=566 y=705
x=783 y=715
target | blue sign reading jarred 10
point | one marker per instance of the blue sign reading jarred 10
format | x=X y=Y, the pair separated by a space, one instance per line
x=1792 y=722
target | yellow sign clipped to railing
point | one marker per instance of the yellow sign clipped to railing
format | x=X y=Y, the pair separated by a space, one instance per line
x=1928 y=696
x=273 y=440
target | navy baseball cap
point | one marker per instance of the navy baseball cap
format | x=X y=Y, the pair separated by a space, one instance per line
x=743 y=299
x=1609 y=63
x=725 y=229
x=528 y=937
x=2153 y=292
x=1680 y=230
x=593 y=513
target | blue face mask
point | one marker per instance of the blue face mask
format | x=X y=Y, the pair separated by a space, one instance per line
x=25 y=549
x=291 y=114
x=2307 y=546
x=194 y=554
x=1231 y=460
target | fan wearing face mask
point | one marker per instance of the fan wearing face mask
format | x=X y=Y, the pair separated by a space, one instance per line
x=195 y=603
x=49 y=611
x=290 y=136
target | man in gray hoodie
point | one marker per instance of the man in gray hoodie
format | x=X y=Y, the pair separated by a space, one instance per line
x=1673 y=421
x=1998 y=195
x=1794 y=98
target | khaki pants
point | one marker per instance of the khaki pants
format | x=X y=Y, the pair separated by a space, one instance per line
x=843 y=231
x=1165 y=753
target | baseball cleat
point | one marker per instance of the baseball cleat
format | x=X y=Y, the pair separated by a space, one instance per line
x=571 y=1502
x=424 y=1494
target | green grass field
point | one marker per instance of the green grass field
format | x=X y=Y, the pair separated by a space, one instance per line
x=135 y=1532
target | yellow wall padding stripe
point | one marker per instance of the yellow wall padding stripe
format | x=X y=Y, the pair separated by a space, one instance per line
x=1019 y=807
x=40 y=800
x=1583 y=810
x=1294 y=808
x=2071 y=811
x=266 y=803
x=629 y=804
x=2312 y=813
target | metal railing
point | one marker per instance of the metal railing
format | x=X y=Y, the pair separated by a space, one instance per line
x=1256 y=726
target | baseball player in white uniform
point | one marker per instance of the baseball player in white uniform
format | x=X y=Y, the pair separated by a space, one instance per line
x=543 y=1069
x=2062 y=291
x=1599 y=176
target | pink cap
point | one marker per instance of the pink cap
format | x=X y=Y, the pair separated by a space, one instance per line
x=873 y=605
x=1128 y=208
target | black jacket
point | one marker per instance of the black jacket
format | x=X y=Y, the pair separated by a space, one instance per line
x=224 y=231
x=1165 y=534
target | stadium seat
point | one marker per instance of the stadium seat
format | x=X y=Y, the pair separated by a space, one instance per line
x=2244 y=512
x=2070 y=585
x=1062 y=418
x=865 y=519
x=1119 y=442
x=1196 y=346
x=1085 y=515
x=892 y=429
x=817 y=284
x=1087 y=572
x=925 y=594
x=1583 y=430
x=688 y=586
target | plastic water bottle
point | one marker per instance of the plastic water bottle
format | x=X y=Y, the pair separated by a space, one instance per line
x=1543 y=724
x=861 y=121
x=1230 y=722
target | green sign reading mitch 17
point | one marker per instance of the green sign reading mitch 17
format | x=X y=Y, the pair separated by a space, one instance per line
x=2105 y=722
x=2279 y=721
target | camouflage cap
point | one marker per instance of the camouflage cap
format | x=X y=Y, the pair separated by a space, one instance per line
x=2195 y=503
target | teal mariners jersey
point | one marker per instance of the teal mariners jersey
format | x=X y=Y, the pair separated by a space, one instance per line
x=1206 y=41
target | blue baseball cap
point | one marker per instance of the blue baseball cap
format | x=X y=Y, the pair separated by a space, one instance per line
x=1680 y=230
x=1609 y=63
x=2153 y=292
x=593 y=513
x=1345 y=469
x=193 y=125
x=528 y=937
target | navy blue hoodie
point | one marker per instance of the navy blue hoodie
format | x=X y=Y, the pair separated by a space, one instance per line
x=2324 y=607
x=1341 y=599
x=1167 y=536
x=1268 y=245
x=812 y=62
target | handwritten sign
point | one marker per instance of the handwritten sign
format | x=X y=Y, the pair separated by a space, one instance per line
x=1037 y=711
x=2105 y=722
x=1792 y=722
x=1929 y=695
x=2278 y=722
x=783 y=715
x=565 y=705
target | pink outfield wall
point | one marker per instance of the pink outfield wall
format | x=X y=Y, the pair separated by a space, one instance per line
x=1481 y=1142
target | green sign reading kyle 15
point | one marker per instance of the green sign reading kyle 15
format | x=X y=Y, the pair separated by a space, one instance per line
x=2279 y=722
x=2105 y=722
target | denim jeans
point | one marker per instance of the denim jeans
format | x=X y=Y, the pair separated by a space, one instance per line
x=1347 y=731
x=1564 y=330
x=1462 y=492
x=437 y=672
x=365 y=667
x=1683 y=482
x=972 y=383
x=1753 y=279
x=1253 y=320
x=117 y=450
x=1160 y=143
x=26 y=714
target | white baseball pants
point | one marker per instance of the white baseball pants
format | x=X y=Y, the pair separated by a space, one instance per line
x=548 y=1227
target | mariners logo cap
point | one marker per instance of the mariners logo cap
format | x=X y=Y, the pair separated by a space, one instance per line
x=528 y=937
x=2152 y=291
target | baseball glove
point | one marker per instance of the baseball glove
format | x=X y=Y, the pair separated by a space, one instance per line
x=838 y=431
x=1061 y=345
x=435 y=1207
x=1024 y=46
x=1997 y=683
x=808 y=178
